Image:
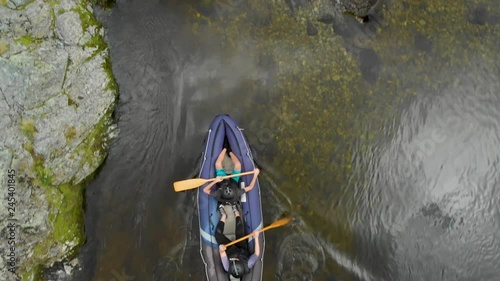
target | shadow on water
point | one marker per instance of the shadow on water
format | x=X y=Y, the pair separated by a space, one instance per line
x=378 y=145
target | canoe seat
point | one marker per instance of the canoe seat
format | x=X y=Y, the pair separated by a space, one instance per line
x=230 y=226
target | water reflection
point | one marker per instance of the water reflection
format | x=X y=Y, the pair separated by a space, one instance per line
x=434 y=186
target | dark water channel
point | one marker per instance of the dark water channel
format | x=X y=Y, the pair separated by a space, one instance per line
x=392 y=175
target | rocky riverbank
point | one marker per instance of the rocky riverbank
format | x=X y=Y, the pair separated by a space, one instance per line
x=57 y=99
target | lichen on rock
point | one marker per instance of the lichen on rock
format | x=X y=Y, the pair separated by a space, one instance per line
x=57 y=99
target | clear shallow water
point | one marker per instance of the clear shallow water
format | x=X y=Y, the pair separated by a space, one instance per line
x=433 y=192
x=418 y=202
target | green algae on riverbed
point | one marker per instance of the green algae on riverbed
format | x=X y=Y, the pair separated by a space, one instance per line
x=316 y=88
x=324 y=113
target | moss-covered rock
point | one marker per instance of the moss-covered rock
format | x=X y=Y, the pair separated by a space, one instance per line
x=57 y=104
x=3 y=48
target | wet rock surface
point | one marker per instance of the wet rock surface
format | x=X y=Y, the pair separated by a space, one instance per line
x=57 y=97
x=359 y=8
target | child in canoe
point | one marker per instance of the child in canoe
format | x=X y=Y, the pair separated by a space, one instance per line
x=228 y=191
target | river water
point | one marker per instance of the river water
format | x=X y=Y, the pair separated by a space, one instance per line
x=382 y=140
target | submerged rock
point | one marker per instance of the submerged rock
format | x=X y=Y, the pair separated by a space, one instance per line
x=359 y=8
x=299 y=257
x=293 y=5
x=57 y=97
x=311 y=29
x=369 y=64
x=480 y=16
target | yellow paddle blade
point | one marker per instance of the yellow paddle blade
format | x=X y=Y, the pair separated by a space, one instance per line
x=189 y=184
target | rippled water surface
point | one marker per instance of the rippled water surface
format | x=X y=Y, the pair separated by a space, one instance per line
x=382 y=140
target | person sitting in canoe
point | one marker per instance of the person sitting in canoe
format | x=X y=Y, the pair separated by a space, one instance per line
x=228 y=191
x=236 y=259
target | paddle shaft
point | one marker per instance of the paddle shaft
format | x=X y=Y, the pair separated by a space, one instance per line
x=242 y=238
x=232 y=176
x=194 y=183
x=273 y=225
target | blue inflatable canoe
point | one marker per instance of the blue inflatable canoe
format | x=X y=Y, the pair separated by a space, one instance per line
x=225 y=132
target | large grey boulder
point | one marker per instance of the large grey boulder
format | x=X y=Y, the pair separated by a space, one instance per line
x=57 y=95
